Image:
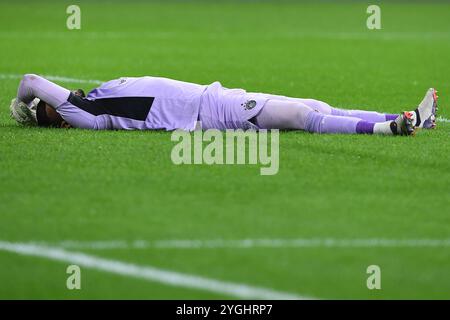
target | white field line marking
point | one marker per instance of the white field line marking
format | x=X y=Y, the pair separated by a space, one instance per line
x=6 y=76
x=147 y=272
x=442 y=119
x=252 y=243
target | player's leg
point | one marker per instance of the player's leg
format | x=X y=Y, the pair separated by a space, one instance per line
x=427 y=120
x=289 y=114
x=325 y=108
x=371 y=116
x=424 y=116
x=285 y=114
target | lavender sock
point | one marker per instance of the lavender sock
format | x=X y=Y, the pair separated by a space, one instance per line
x=365 y=127
x=321 y=123
x=390 y=117
x=370 y=116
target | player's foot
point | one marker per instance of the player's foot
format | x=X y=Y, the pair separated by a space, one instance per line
x=425 y=113
x=430 y=123
x=404 y=124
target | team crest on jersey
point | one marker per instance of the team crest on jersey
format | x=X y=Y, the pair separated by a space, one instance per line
x=250 y=104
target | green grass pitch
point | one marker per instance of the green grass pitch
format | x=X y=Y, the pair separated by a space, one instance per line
x=59 y=185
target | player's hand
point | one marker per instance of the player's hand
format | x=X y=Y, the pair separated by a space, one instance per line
x=23 y=114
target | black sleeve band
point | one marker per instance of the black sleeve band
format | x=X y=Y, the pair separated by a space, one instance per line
x=136 y=108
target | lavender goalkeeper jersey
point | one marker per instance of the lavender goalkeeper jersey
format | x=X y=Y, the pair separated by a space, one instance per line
x=136 y=103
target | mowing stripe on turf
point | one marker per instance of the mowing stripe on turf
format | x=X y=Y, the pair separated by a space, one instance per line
x=148 y=273
x=252 y=243
x=6 y=76
x=292 y=34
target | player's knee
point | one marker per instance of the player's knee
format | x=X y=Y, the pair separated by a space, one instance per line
x=303 y=111
x=319 y=106
x=313 y=122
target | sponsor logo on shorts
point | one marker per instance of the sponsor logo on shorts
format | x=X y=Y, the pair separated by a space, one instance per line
x=250 y=104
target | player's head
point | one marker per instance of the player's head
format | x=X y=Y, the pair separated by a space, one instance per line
x=47 y=116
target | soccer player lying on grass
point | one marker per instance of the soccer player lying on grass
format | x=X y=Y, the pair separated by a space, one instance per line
x=150 y=103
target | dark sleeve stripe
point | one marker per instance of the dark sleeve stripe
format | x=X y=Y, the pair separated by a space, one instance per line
x=136 y=108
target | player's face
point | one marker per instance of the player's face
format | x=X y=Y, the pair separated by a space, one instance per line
x=79 y=92
x=54 y=117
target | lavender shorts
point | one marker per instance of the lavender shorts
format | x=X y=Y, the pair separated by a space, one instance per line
x=222 y=108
